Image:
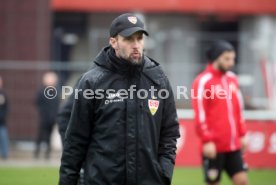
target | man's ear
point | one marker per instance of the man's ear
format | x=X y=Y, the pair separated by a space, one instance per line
x=113 y=42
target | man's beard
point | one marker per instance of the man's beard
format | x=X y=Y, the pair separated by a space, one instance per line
x=130 y=59
x=135 y=62
x=222 y=69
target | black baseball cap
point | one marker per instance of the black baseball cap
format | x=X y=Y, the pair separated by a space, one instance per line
x=126 y=24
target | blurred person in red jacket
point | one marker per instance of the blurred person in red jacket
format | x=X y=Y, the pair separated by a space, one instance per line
x=217 y=104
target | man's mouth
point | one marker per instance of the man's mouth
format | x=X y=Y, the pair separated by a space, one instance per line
x=136 y=54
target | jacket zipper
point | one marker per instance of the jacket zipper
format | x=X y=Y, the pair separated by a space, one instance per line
x=230 y=116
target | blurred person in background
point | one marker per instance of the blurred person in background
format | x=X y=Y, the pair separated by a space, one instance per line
x=4 y=139
x=218 y=105
x=122 y=140
x=47 y=101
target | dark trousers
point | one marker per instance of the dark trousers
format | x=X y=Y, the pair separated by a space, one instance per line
x=44 y=134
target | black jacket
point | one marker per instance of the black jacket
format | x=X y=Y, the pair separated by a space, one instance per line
x=63 y=116
x=64 y=113
x=119 y=140
x=3 y=107
x=47 y=108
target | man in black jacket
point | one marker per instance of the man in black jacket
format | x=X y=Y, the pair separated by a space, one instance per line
x=122 y=139
x=47 y=109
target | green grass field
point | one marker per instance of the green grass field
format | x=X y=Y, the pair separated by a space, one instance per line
x=182 y=176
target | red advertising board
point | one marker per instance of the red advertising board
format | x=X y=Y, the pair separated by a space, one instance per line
x=189 y=6
x=261 y=152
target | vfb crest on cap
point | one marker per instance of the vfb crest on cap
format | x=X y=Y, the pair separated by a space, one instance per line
x=132 y=19
x=153 y=106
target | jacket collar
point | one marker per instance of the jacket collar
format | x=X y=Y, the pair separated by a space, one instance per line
x=151 y=69
x=214 y=71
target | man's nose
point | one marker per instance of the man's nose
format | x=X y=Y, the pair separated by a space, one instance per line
x=136 y=43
